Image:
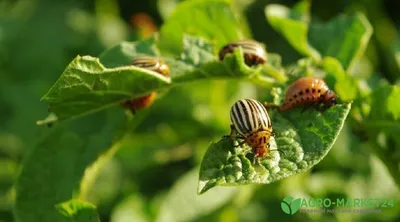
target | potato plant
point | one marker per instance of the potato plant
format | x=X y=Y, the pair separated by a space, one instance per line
x=88 y=142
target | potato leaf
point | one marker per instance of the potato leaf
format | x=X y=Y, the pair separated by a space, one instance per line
x=213 y=20
x=344 y=37
x=87 y=86
x=183 y=204
x=304 y=137
x=59 y=167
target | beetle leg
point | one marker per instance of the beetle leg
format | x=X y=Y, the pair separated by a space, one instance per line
x=305 y=107
x=240 y=144
x=259 y=161
x=232 y=136
x=232 y=129
x=133 y=111
x=231 y=133
x=249 y=150
x=322 y=108
x=232 y=148
x=127 y=104
x=254 y=158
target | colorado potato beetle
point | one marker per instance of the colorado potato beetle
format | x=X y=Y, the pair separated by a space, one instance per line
x=253 y=51
x=152 y=64
x=308 y=90
x=251 y=122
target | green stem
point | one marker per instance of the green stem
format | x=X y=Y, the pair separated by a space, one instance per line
x=279 y=75
x=264 y=81
x=92 y=171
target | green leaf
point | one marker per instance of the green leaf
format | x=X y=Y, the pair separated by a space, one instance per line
x=183 y=204
x=87 y=86
x=78 y=211
x=383 y=127
x=304 y=137
x=211 y=19
x=291 y=25
x=59 y=165
x=123 y=53
x=345 y=86
x=199 y=62
x=386 y=38
x=166 y=7
x=197 y=51
x=131 y=209
x=233 y=66
x=385 y=104
x=348 y=37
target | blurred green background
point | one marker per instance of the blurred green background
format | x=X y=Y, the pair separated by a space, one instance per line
x=154 y=172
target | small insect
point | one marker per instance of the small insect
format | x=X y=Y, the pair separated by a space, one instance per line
x=250 y=122
x=308 y=90
x=253 y=51
x=152 y=64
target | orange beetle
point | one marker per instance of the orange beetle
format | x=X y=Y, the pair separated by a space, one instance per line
x=308 y=90
x=152 y=64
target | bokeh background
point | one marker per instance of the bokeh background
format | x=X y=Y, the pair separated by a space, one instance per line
x=154 y=172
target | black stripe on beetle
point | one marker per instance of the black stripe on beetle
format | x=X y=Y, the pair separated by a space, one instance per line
x=249 y=116
x=251 y=121
x=254 y=52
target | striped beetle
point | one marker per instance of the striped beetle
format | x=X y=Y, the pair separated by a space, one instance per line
x=152 y=64
x=308 y=90
x=253 y=51
x=250 y=120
